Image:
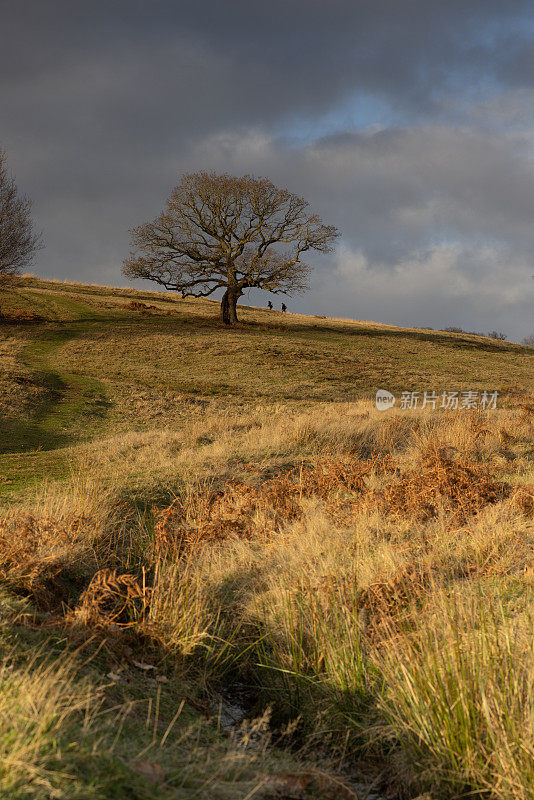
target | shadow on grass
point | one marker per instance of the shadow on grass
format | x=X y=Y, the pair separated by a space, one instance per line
x=190 y=321
x=18 y=436
x=68 y=402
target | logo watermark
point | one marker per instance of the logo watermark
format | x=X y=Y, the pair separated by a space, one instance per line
x=483 y=401
x=384 y=399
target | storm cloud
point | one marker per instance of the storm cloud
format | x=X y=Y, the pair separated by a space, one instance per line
x=406 y=124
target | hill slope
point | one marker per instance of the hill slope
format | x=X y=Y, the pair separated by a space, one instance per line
x=200 y=523
x=104 y=359
x=103 y=344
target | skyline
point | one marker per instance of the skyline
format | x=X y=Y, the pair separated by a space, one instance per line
x=408 y=125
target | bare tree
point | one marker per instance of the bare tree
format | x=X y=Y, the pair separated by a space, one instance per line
x=18 y=242
x=528 y=340
x=224 y=232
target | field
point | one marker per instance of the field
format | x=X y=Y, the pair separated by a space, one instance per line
x=225 y=574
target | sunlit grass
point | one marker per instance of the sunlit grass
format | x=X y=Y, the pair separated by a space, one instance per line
x=240 y=515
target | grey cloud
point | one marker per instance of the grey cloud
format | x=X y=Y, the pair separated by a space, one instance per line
x=103 y=104
x=413 y=184
x=431 y=218
x=436 y=287
x=290 y=54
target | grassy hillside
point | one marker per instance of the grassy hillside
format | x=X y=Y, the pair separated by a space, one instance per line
x=199 y=522
x=94 y=364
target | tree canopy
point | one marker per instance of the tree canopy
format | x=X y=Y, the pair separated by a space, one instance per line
x=231 y=233
x=18 y=242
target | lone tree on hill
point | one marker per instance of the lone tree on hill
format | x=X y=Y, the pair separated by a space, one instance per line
x=224 y=232
x=18 y=242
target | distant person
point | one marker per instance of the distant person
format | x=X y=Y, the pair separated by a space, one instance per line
x=284 y=307
x=270 y=306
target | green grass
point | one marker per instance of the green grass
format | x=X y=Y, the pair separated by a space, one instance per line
x=110 y=415
x=181 y=347
x=302 y=364
x=90 y=724
x=22 y=471
x=102 y=367
x=77 y=403
x=71 y=408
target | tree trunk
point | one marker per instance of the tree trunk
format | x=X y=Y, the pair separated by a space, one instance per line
x=229 y=306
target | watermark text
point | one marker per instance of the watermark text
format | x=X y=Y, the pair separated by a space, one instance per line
x=447 y=400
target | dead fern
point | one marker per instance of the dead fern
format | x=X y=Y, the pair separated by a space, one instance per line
x=462 y=486
x=112 y=599
x=34 y=556
x=386 y=605
x=235 y=510
x=523 y=498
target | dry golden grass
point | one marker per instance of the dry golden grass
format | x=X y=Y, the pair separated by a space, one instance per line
x=51 y=545
x=40 y=702
x=459 y=695
x=341 y=557
x=232 y=506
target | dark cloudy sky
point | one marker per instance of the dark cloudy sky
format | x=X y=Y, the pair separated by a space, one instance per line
x=408 y=124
